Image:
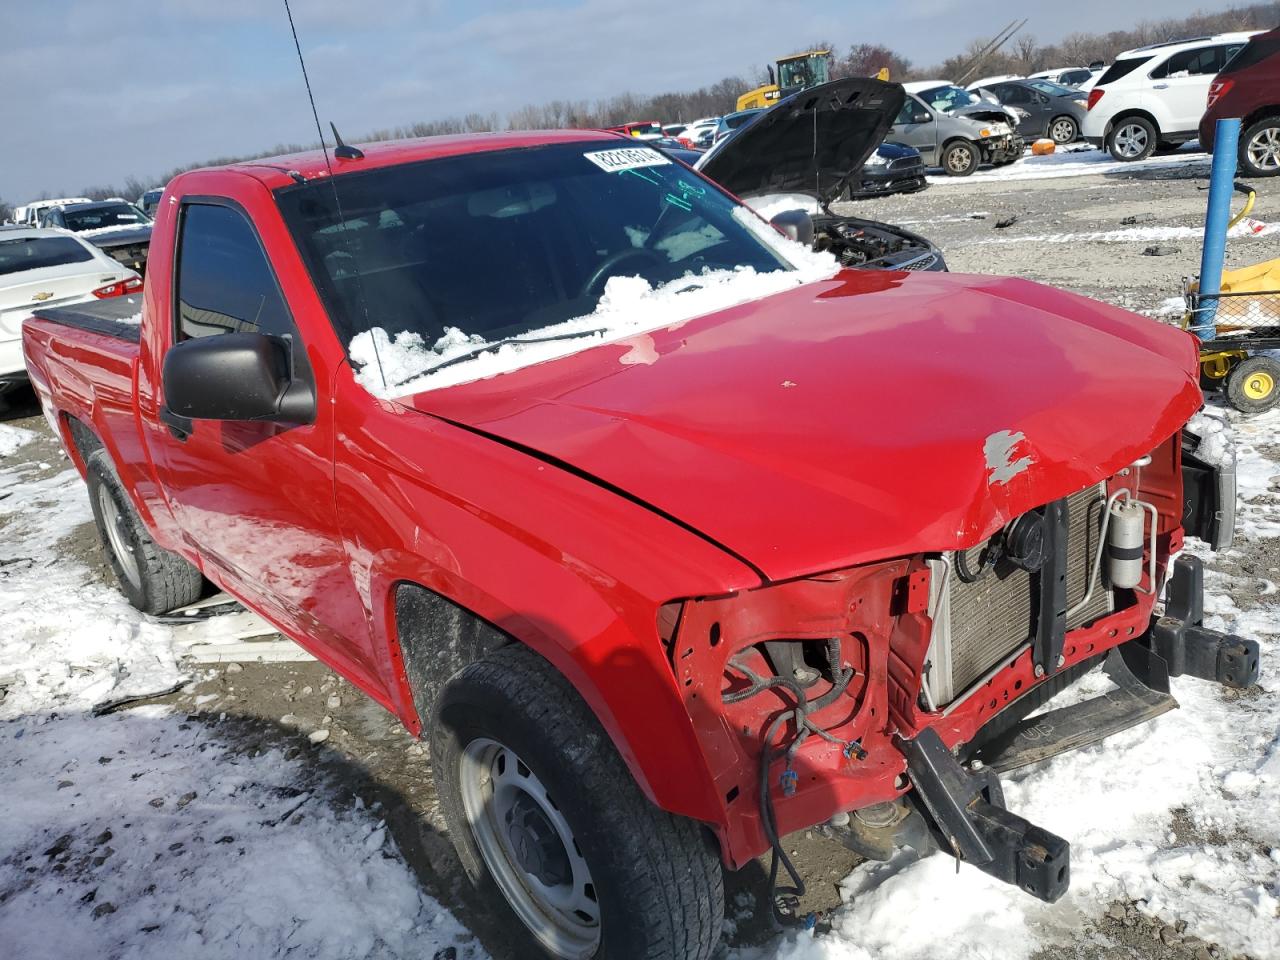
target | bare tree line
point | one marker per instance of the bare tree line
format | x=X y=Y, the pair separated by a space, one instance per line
x=1024 y=54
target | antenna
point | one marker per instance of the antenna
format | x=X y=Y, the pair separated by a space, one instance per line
x=343 y=152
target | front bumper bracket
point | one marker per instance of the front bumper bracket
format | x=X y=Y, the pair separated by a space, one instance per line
x=1180 y=639
x=967 y=812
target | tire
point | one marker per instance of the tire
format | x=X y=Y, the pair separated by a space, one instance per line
x=1063 y=129
x=1132 y=138
x=512 y=740
x=1254 y=385
x=960 y=158
x=151 y=578
x=1260 y=148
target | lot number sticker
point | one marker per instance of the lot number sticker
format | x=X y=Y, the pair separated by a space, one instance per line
x=628 y=158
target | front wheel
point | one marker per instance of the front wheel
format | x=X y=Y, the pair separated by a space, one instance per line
x=552 y=829
x=960 y=159
x=1260 y=148
x=1063 y=130
x=1133 y=138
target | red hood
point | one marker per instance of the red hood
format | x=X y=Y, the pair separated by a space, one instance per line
x=863 y=417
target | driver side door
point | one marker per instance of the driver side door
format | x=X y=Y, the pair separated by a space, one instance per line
x=255 y=499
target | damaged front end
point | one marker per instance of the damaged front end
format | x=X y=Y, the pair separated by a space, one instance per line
x=883 y=701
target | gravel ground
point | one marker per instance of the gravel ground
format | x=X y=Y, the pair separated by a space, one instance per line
x=363 y=753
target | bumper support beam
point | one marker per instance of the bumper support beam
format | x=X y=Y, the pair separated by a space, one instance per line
x=967 y=811
x=1180 y=639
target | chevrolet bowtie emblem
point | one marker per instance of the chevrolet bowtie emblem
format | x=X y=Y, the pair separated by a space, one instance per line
x=42 y=296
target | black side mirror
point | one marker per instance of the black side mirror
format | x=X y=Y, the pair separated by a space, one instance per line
x=796 y=224
x=236 y=376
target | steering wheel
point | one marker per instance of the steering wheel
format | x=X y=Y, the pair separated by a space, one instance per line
x=607 y=265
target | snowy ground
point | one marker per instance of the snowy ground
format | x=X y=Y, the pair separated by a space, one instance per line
x=248 y=813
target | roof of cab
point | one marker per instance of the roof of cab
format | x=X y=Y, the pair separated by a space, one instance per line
x=276 y=172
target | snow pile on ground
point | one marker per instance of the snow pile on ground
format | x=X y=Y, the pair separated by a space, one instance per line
x=11 y=438
x=1079 y=161
x=1243 y=230
x=139 y=834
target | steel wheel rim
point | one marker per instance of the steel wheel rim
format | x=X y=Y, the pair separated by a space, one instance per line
x=1264 y=149
x=497 y=786
x=1131 y=140
x=113 y=521
x=1064 y=131
x=954 y=155
x=1259 y=385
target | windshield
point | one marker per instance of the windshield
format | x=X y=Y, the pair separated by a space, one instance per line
x=948 y=98
x=804 y=72
x=112 y=215
x=33 y=253
x=1051 y=88
x=489 y=247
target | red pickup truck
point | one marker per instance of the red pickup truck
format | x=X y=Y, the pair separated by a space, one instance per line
x=670 y=537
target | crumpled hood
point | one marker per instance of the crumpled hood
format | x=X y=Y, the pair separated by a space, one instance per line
x=868 y=416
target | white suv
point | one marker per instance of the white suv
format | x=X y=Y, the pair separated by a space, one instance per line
x=1154 y=96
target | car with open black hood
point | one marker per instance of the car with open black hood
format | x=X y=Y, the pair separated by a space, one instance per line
x=809 y=151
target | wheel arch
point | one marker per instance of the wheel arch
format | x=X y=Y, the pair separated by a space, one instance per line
x=1259 y=113
x=1129 y=112
x=434 y=632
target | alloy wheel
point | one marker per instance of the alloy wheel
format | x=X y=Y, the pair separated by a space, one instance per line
x=1131 y=140
x=530 y=849
x=1063 y=130
x=1263 y=149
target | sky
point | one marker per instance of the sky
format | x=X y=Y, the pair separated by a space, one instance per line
x=93 y=91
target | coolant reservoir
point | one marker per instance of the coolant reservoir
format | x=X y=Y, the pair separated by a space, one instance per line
x=1124 y=543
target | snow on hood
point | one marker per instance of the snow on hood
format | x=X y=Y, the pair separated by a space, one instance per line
x=400 y=366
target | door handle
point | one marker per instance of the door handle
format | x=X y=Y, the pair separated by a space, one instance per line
x=179 y=427
x=1160 y=86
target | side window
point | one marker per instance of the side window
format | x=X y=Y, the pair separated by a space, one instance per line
x=1190 y=63
x=912 y=112
x=225 y=284
x=1012 y=93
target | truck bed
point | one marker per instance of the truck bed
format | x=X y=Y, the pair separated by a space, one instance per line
x=119 y=317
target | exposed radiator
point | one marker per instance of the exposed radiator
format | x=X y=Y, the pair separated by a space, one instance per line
x=977 y=625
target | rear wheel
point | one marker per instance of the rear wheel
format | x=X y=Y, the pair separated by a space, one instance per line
x=1063 y=130
x=1260 y=148
x=961 y=158
x=552 y=829
x=1132 y=138
x=1252 y=385
x=151 y=578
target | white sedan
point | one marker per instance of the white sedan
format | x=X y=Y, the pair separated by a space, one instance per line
x=41 y=267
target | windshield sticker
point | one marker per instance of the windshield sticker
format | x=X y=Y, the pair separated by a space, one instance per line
x=627 y=158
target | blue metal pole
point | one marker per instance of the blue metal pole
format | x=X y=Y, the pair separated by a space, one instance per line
x=1226 y=140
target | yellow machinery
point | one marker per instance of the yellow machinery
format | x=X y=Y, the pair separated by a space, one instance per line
x=796 y=72
x=1240 y=358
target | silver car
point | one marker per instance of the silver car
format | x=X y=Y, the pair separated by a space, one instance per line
x=955 y=129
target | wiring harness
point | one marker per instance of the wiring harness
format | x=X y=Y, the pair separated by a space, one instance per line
x=798 y=714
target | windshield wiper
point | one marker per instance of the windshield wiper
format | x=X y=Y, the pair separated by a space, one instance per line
x=513 y=341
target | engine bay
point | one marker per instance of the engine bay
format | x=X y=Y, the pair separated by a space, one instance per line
x=864 y=243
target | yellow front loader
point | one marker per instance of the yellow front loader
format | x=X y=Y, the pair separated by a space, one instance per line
x=796 y=72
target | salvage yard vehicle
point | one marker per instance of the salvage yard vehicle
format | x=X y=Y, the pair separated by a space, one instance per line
x=117 y=227
x=812 y=68
x=586 y=473
x=48 y=268
x=807 y=152
x=1154 y=96
x=1067 y=76
x=1248 y=87
x=955 y=129
x=893 y=168
x=29 y=213
x=1044 y=108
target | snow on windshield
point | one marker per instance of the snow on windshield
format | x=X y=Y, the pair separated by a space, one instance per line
x=406 y=364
